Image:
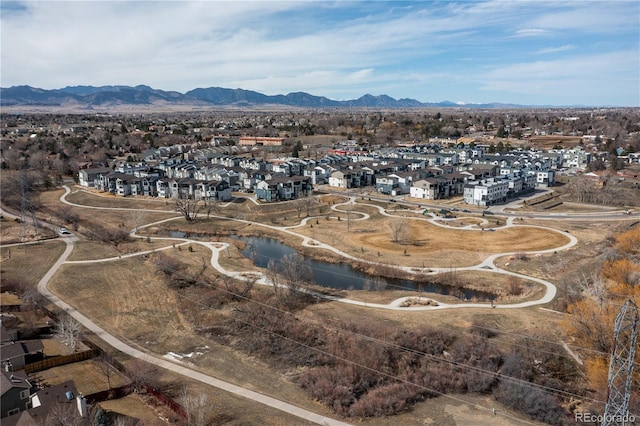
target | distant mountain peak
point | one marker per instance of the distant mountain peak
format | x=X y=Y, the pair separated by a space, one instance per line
x=105 y=96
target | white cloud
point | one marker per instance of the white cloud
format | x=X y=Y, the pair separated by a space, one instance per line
x=581 y=79
x=557 y=49
x=335 y=49
x=591 y=17
x=534 y=32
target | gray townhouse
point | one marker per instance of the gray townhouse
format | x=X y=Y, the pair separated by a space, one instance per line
x=283 y=188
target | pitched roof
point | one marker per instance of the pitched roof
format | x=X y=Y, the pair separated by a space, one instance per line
x=12 y=380
x=17 y=349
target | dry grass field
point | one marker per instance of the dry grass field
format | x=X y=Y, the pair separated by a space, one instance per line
x=11 y=231
x=92 y=250
x=548 y=142
x=100 y=199
x=125 y=296
x=131 y=299
x=426 y=244
x=88 y=218
x=86 y=375
x=137 y=407
x=29 y=263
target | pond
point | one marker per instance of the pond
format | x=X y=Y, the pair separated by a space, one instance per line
x=344 y=277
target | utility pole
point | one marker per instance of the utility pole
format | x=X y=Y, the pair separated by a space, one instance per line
x=621 y=366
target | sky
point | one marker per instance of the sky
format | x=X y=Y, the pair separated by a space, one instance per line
x=537 y=52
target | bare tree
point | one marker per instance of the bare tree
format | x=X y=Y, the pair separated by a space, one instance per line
x=188 y=207
x=69 y=331
x=514 y=286
x=166 y=264
x=309 y=201
x=247 y=285
x=211 y=206
x=298 y=205
x=399 y=230
x=240 y=289
x=582 y=188
x=69 y=216
x=39 y=163
x=139 y=219
x=294 y=270
x=105 y=367
x=142 y=373
x=64 y=414
x=195 y=406
x=273 y=269
x=593 y=287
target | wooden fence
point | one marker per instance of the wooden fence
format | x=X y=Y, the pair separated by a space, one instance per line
x=34 y=367
x=168 y=401
x=98 y=351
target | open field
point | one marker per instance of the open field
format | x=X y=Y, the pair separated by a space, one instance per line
x=548 y=142
x=426 y=244
x=29 y=263
x=88 y=218
x=136 y=304
x=11 y=231
x=136 y=406
x=91 y=250
x=100 y=199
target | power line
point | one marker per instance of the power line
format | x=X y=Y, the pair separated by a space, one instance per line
x=415 y=290
x=554 y=391
x=348 y=361
x=582 y=348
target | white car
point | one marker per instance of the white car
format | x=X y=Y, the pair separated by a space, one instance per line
x=64 y=232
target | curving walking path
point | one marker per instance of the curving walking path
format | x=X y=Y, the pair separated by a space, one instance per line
x=486 y=266
x=174 y=367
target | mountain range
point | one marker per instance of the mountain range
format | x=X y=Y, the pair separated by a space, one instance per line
x=90 y=97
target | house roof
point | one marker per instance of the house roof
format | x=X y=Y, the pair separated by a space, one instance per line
x=97 y=170
x=62 y=396
x=23 y=418
x=12 y=380
x=7 y=334
x=14 y=350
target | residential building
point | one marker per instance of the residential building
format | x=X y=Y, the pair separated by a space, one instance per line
x=486 y=192
x=283 y=188
x=16 y=390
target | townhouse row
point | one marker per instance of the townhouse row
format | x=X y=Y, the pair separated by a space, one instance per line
x=211 y=174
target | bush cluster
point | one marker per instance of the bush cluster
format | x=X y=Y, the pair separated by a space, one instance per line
x=372 y=370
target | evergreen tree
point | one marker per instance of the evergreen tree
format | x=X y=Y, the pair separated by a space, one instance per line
x=295 y=153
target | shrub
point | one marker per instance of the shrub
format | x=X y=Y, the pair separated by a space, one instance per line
x=531 y=401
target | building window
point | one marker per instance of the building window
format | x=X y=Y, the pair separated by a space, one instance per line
x=24 y=394
x=13 y=411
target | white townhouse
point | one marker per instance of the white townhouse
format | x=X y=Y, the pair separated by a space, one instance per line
x=486 y=192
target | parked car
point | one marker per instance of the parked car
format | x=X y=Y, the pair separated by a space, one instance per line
x=487 y=212
x=64 y=232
